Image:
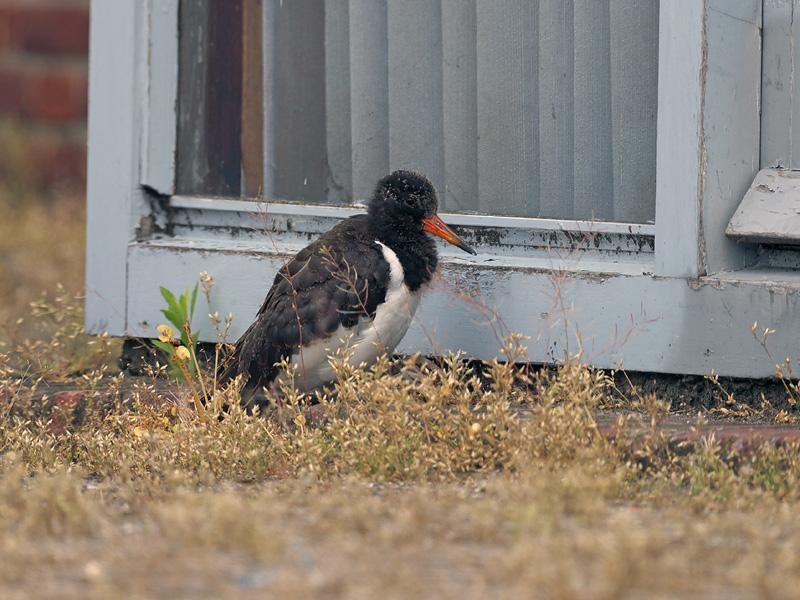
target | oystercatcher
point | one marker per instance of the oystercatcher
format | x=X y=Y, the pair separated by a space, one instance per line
x=358 y=285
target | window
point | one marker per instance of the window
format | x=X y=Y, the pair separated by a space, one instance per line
x=515 y=108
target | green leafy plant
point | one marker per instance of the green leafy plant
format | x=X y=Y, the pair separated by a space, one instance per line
x=181 y=350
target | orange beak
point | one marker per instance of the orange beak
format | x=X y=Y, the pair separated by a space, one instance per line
x=438 y=228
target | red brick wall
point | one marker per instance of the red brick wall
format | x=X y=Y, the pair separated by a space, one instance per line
x=43 y=90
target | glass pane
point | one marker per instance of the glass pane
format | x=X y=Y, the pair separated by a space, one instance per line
x=220 y=112
x=536 y=109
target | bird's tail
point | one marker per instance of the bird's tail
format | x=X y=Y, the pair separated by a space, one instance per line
x=234 y=366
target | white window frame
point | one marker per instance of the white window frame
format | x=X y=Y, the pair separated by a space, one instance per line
x=635 y=295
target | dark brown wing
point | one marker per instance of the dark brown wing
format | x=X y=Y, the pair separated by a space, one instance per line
x=311 y=296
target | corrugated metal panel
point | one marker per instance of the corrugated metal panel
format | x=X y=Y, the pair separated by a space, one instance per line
x=512 y=107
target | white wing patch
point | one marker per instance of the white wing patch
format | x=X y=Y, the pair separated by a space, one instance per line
x=369 y=339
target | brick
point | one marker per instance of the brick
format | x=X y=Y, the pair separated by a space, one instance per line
x=10 y=92
x=45 y=30
x=56 y=96
x=44 y=94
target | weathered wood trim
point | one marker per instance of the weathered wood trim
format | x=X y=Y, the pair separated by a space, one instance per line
x=665 y=325
x=160 y=103
x=342 y=212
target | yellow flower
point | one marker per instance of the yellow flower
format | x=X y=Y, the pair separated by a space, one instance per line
x=182 y=353
x=165 y=333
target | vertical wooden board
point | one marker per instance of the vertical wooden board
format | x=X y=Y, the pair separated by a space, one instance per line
x=252 y=101
x=794 y=119
x=460 y=117
x=679 y=154
x=556 y=65
x=339 y=148
x=192 y=167
x=593 y=168
x=115 y=199
x=777 y=89
x=369 y=89
x=294 y=39
x=508 y=128
x=415 y=88
x=160 y=103
x=731 y=126
x=634 y=106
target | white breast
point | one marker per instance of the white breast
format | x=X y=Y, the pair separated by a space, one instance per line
x=369 y=339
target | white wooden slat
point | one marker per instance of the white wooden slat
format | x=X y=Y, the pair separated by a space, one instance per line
x=593 y=172
x=508 y=130
x=415 y=88
x=681 y=37
x=634 y=105
x=369 y=89
x=556 y=69
x=459 y=90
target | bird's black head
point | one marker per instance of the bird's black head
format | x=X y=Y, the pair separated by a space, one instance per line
x=404 y=195
x=405 y=200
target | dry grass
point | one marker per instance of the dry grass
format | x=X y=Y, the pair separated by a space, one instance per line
x=424 y=483
x=436 y=485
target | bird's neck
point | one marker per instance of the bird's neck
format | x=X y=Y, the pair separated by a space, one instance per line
x=415 y=250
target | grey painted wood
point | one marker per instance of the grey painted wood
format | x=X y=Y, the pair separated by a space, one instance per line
x=460 y=100
x=337 y=103
x=160 y=103
x=674 y=322
x=369 y=89
x=593 y=168
x=508 y=132
x=556 y=117
x=770 y=211
x=732 y=126
x=114 y=197
x=642 y=323
x=634 y=106
x=415 y=88
x=300 y=212
x=679 y=160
